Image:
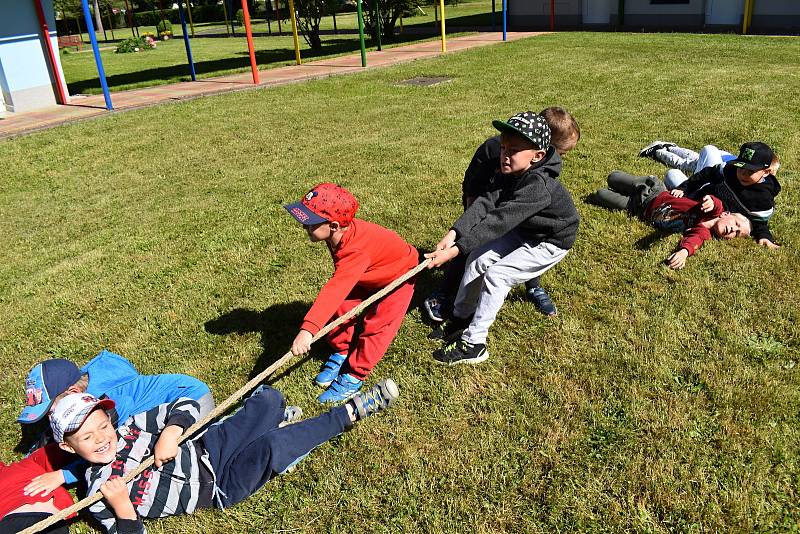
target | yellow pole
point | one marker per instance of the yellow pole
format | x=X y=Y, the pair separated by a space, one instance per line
x=294 y=33
x=189 y=9
x=441 y=21
x=750 y=14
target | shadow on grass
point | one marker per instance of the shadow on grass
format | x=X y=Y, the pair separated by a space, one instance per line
x=647 y=242
x=277 y=325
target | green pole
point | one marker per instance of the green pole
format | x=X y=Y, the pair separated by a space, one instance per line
x=361 y=33
x=378 y=21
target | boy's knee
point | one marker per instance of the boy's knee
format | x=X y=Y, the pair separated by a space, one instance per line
x=268 y=397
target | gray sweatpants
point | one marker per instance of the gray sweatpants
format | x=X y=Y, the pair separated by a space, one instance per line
x=492 y=270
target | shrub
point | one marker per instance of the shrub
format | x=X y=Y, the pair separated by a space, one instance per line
x=135 y=44
x=164 y=26
x=240 y=17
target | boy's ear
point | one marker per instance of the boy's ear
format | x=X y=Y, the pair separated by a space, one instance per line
x=538 y=156
x=64 y=446
x=335 y=225
x=74 y=389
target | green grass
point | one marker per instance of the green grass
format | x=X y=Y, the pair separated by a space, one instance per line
x=657 y=401
x=216 y=56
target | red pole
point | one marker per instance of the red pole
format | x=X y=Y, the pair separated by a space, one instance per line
x=552 y=15
x=250 y=47
x=46 y=32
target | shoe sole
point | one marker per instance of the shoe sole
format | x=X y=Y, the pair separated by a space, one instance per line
x=392 y=388
x=323 y=384
x=470 y=361
x=345 y=399
x=431 y=315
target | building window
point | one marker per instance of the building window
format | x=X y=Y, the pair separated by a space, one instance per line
x=669 y=2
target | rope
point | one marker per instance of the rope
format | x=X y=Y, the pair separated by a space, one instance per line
x=235 y=397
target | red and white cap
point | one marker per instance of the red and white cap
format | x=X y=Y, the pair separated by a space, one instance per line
x=325 y=202
x=70 y=412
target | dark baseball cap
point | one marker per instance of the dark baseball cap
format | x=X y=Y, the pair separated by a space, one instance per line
x=529 y=125
x=45 y=382
x=753 y=156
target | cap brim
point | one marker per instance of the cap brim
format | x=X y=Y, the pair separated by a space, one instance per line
x=749 y=166
x=506 y=127
x=32 y=414
x=303 y=215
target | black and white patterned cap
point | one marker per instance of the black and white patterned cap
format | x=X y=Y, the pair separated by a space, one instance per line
x=529 y=125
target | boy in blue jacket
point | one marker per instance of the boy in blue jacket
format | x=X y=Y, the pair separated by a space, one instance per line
x=106 y=375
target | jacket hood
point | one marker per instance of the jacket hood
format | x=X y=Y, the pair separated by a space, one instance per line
x=108 y=370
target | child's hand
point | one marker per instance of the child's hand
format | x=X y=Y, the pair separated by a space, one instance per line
x=708 y=204
x=167 y=445
x=767 y=243
x=678 y=259
x=302 y=342
x=44 y=483
x=447 y=241
x=440 y=257
x=116 y=495
x=677 y=193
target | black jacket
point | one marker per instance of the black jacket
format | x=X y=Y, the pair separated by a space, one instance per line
x=536 y=204
x=485 y=163
x=756 y=202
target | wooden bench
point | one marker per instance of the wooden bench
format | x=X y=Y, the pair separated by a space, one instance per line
x=70 y=40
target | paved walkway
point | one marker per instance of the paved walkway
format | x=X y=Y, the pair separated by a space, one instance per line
x=84 y=107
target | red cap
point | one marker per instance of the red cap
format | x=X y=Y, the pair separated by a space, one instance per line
x=325 y=202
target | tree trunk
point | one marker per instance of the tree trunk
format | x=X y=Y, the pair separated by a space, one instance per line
x=98 y=20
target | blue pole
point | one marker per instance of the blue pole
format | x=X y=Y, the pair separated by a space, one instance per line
x=100 y=71
x=505 y=23
x=186 y=40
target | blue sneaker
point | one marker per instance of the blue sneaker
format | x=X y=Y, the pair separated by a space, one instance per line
x=435 y=305
x=291 y=414
x=341 y=389
x=330 y=369
x=542 y=301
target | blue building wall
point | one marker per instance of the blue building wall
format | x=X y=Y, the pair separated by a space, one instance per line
x=26 y=79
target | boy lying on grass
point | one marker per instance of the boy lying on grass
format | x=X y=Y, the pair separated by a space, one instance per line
x=647 y=198
x=20 y=509
x=222 y=466
x=107 y=374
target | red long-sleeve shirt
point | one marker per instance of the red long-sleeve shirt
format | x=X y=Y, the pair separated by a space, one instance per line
x=684 y=215
x=16 y=475
x=369 y=256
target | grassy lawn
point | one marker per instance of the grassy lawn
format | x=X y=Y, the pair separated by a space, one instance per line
x=215 y=56
x=657 y=401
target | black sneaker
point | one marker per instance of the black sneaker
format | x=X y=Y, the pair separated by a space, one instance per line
x=461 y=352
x=650 y=150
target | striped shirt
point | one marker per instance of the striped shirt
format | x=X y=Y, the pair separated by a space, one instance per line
x=178 y=487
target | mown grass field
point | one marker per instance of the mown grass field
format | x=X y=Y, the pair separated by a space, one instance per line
x=218 y=55
x=657 y=401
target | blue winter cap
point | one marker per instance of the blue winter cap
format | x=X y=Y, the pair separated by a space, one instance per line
x=45 y=382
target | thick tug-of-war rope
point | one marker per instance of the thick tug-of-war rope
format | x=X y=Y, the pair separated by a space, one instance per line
x=227 y=403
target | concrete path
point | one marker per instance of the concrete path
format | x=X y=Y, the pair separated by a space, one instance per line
x=85 y=107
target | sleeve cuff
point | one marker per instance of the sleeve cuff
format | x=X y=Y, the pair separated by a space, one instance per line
x=181 y=419
x=310 y=327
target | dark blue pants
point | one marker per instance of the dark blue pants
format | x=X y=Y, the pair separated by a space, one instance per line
x=247 y=449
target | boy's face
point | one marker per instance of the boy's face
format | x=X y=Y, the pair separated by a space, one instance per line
x=321 y=231
x=95 y=441
x=730 y=225
x=517 y=154
x=747 y=177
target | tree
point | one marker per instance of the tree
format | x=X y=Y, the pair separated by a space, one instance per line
x=391 y=11
x=309 y=16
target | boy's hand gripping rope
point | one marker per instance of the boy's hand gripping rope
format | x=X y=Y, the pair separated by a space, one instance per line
x=235 y=397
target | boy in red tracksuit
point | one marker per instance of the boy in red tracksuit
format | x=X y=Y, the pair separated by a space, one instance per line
x=19 y=509
x=698 y=221
x=366 y=258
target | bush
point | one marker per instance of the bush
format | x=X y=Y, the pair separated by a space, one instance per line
x=163 y=27
x=240 y=17
x=135 y=44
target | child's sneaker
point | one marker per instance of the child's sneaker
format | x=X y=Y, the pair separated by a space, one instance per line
x=542 y=301
x=376 y=399
x=453 y=329
x=435 y=305
x=461 y=352
x=330 y=369
x=341 y=389
x=291 y=414
x=650 y=150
